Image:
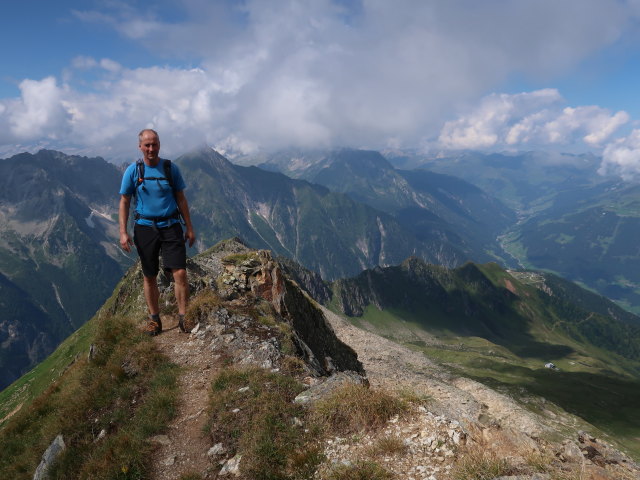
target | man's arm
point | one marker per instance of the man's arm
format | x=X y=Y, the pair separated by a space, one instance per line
x=123 y=211
x=183 y=205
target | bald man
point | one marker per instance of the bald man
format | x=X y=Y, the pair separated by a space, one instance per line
x=160 y=205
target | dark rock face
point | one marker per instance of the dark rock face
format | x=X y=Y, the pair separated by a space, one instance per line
x=313 y=329
x=309 y=281
x=314 y=337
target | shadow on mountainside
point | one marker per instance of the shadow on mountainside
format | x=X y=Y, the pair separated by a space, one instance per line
x=610 y=402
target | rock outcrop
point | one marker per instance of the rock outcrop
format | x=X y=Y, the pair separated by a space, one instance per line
x=48 y=457
x=243 y=278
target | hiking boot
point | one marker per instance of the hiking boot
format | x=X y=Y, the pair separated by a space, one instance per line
x=181 y=324
x=153 y=326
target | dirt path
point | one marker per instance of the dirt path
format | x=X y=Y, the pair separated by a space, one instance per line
x=184 y=449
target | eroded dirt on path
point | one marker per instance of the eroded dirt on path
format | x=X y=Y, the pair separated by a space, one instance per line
x=184 y=448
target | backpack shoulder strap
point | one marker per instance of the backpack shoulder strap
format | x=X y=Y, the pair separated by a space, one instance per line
x=139 y=174
x=168 y=173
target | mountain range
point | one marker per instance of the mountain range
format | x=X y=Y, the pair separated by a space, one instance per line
x=554 y=211
x=589 y=237
x=345 y=211
x=58 y=259
x=434 y=207
x=572 y=221
x=326 y=231
x=59 y=256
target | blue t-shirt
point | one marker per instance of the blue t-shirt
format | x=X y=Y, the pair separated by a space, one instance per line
x=154 y=198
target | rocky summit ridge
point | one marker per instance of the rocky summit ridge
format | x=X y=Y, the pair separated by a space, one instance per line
x=253 y=330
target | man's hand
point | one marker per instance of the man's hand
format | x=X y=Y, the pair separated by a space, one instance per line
x=125 y=242
x=190 y=236
x=123 y=218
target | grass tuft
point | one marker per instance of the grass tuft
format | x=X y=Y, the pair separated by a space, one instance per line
x=355 y=408
x=201 y=306
x=479 y=464
x=294 y=366
x=238 y=258
x=539 y=461
x=252 y=412
x=359 y=471
x=387 y=446
x=191 y=476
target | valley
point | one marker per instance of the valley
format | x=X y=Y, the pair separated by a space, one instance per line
x=571 y=220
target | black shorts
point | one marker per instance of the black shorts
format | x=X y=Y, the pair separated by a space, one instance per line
x=151 y=242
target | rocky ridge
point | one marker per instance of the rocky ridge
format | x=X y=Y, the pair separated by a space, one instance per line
x=460 y=417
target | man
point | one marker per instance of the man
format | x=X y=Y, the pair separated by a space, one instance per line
x=157 y=229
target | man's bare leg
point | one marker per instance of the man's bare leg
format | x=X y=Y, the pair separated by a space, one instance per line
x=152 y=295
x=181 y=286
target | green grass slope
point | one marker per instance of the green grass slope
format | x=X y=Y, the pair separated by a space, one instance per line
x=126 y=389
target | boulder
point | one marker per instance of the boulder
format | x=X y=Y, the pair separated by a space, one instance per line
x=48 y=457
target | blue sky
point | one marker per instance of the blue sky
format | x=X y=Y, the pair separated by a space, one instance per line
x=85 y=76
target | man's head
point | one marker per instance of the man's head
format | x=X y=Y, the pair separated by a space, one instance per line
x=149 y=145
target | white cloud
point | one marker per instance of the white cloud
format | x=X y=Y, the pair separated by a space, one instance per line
x=530 y=119
x=84 y=62
x=596 y=123
x=492 y=122
x=176 y=102
x=319 y=72
x=40 y=111
x=622 y=157
x=132 y=23
x=110 y=66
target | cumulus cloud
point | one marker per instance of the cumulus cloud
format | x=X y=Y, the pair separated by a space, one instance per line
x=532 y=118
x=322 y=72
x=40 y=112
x=622 y=157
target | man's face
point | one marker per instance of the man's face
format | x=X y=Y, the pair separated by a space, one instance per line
x=150 y=147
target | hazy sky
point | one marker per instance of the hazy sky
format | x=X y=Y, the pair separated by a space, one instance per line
x=86 y=76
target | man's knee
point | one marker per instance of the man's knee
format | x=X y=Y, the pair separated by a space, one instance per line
x=150 y=281
x=179 y=276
